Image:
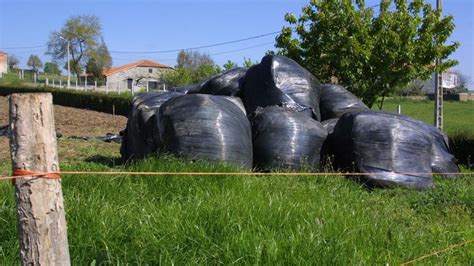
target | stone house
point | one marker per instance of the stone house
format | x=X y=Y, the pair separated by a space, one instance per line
x=3 y=62
x=141 y=74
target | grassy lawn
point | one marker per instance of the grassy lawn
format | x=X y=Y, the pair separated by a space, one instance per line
x=251 y=220
x=458 y=116
x=13 y=78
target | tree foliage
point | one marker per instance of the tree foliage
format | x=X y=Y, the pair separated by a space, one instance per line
x=84 y=34
x=34 y=62
x=93 y=68
x=192 y=67
x=230 y=65
x=51 y=68
x=76 y=70
x=99 y=59
x=372 y=55
x=193 y=59
x=248 y=62
x=12 y=62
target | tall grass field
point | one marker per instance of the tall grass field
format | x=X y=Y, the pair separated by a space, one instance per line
x=319 y=220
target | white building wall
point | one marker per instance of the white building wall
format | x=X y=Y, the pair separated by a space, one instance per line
x=3 y=63
x=450 y=81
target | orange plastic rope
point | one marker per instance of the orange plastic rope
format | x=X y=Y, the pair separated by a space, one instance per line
x=437 y=252
x=18 y=173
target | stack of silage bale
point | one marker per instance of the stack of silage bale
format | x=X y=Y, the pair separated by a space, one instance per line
x=275 y=115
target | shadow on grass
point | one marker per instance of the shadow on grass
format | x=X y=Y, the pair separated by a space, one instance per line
x=462 y=144
x=109 y=161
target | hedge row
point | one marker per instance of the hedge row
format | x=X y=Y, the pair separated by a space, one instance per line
x=463 y=148
x=79 y=99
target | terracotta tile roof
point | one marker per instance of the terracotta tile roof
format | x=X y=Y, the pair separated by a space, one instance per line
x=141 y=63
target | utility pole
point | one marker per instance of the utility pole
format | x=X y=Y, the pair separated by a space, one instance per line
x=438 y=119
x=68 y=67
x=68 y=63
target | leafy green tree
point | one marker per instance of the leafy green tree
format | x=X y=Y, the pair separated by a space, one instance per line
x=229 y=65
x=193 y=59
x=414 y=88
x=83 y=33
x=248 y=62
x=98 y=60
x=179 y=76
x=77 y=70
x=51 y=68
x=93 y=68
x=204 y=72
x=13 y=62
x=372 y=55
x=192 y=68
x=34 y=62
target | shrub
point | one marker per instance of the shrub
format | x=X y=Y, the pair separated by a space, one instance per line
x=80 y=99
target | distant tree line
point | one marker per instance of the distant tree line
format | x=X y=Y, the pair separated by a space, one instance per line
x=194 y=67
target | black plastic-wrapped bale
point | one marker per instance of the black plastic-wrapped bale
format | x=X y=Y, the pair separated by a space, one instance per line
x=327 y=150
x=206 y=127
x=329 y=124
x=138 y=138
x=392 y=149
x=226 y=83
x=277 y=80
x=442 y=158
x=336 y=101
x=184 y=89
x=284 y=138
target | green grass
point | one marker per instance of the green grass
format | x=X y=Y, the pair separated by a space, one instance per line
x=325 y=220
x=458 y=116
x=250 y=220
x=13 y=78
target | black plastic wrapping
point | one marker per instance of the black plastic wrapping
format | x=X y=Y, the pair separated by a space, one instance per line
x=394 y=150
x=138 y=137
x=277 y=80
x=206 y=127
x=327 y=150
x=442 y=158
x=226 y=83
x=284 y=138
x=336 y=101
x=184 y=89
x=329 y=124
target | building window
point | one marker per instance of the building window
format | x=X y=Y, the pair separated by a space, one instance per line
x=150 y=70
x=152 y=85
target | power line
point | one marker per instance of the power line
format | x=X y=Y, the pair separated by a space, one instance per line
x=241 y=49
x=23 y=47
x=197 y=47
x=177 y=50
x=219 y=53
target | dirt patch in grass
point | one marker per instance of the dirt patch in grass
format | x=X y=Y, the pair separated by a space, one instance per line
x=74 y=122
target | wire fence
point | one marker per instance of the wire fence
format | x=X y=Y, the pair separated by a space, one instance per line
x=19 y=173
x=84 y=83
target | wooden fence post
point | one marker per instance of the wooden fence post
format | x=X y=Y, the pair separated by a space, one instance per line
x=40 y=205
